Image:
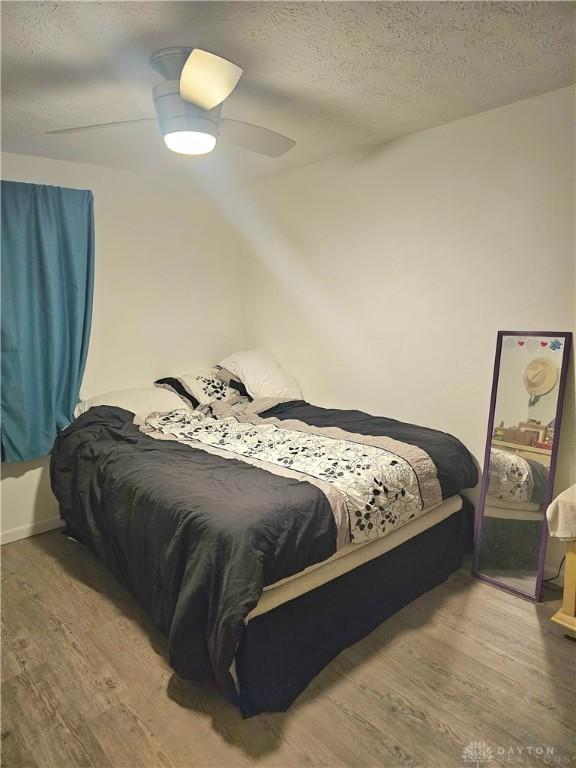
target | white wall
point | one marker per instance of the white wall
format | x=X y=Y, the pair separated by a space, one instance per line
x=381 y=278
x=165 y=297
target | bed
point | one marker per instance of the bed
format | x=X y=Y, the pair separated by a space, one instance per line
x=246 y=537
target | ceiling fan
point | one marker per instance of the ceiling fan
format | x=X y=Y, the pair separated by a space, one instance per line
x=189 y=102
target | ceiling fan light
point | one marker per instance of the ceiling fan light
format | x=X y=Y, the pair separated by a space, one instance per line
x=190 y=142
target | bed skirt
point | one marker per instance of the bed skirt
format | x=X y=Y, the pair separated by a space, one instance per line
x=283 y=650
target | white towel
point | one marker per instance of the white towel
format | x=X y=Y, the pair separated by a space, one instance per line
x=561 y=515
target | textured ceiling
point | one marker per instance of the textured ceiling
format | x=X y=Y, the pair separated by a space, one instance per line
x=335 y=76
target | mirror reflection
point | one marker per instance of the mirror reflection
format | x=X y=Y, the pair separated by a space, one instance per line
x=518 y=482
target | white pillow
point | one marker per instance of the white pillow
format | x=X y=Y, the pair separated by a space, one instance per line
x=258 y=370
x=140 y=401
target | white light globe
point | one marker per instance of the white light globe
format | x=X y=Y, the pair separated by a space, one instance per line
x=190 y=142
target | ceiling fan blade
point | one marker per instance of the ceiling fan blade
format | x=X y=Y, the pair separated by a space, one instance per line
x=255 y=138
x=79 y=128
x=206 y=79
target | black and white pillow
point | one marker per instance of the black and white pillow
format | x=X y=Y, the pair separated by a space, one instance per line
x=201 y=389
x=176 y=385
x=233 y=381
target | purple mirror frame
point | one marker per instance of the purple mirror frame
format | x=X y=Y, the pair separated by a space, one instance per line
x=567 y=336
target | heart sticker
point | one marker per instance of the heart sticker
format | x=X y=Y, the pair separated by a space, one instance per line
x=543 y=343
x=521 y=343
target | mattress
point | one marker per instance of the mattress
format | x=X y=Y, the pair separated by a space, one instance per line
x=521 y=510
x=349 y=557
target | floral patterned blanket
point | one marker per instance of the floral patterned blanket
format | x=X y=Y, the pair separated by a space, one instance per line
x=374 y=484
x=514 y=478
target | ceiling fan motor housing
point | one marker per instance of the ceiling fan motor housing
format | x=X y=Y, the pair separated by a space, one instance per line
x=175 y=114
x=169 y=62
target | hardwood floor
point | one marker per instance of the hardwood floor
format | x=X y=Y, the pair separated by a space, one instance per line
x=85 y=682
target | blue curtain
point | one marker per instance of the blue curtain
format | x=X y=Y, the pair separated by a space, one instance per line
x=47 y=282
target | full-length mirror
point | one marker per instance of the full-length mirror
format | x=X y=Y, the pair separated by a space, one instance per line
x=524 y=425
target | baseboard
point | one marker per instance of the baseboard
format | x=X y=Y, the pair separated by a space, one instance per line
x=31 y=529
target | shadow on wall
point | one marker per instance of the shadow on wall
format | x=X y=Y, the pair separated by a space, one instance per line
x=566 y=467
x=28 y=504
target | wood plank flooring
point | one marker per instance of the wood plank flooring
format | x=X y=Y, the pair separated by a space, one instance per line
x=85 y=682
